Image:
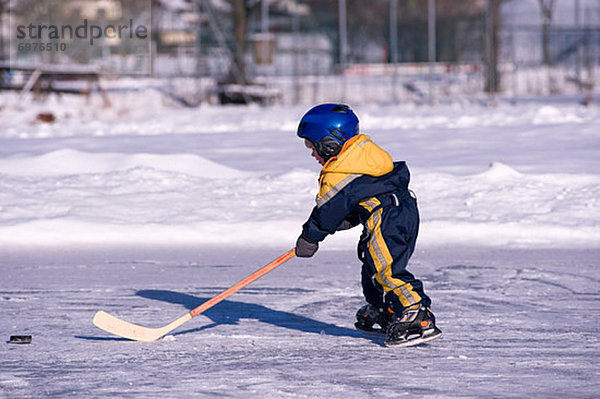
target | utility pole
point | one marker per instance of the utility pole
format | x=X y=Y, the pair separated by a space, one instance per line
x=265 y=42
x=296 y=47
x=198 y=50
x=490 y=50
x=394 y=46
x=579 y=40
x=343 y=43
x=240 y=18
x=547 y=9
x=431 y=45
x=198 y=44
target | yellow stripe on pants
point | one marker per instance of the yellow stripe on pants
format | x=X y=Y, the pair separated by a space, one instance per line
x=383 y=259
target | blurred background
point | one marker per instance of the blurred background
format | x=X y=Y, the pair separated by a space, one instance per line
x=309 y=51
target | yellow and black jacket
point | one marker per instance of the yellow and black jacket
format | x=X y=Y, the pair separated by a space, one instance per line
x=361 y=170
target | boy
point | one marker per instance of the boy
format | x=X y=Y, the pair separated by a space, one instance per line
x=359 y=183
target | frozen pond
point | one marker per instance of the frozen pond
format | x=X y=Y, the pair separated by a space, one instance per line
x=516 y=323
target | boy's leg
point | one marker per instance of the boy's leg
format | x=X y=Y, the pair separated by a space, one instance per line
x=393 y=234
x=373 y=317
x=373 y=294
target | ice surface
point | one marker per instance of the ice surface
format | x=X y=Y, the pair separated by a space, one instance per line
x=516 y=323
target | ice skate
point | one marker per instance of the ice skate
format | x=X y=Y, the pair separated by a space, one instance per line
x=416 y=325
x=369 y=316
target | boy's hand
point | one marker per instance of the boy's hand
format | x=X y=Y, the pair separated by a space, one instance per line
x=305 y=249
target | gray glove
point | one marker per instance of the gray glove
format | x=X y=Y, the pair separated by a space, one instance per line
x=305 y=249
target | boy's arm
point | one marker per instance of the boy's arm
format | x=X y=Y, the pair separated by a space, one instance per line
x=326 y=219
x=316 y=228
x=331 y=210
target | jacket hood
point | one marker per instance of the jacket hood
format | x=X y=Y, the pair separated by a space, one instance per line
x=360 y=155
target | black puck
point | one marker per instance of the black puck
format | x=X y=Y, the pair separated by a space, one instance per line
x=20 y=339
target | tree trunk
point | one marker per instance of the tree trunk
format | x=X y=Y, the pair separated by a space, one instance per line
x=547 y=9
x=492 y=45
x=240 y=22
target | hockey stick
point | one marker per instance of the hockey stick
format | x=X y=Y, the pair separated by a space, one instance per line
x=125 y=329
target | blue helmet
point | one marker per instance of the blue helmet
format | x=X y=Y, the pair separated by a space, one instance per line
x=327 y=127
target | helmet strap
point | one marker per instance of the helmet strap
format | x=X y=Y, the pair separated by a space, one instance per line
x=338 y=134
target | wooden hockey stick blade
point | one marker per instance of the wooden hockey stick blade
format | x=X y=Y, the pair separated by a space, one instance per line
x=129 y=330
x=135 y=332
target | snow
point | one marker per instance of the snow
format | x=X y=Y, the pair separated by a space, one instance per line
x=514 y=175
x=145 y=209
x=71 y=162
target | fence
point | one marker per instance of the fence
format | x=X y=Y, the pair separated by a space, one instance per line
x=573 y=71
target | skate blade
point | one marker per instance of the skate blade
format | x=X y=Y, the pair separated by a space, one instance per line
x=373 y=333
x=416 y=341
x=376 y=332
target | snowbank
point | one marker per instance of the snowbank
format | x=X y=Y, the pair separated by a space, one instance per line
x=68 y=162
x=75 y=197
x=145 y=171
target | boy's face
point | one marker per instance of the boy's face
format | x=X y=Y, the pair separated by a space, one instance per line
x=314 y=153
